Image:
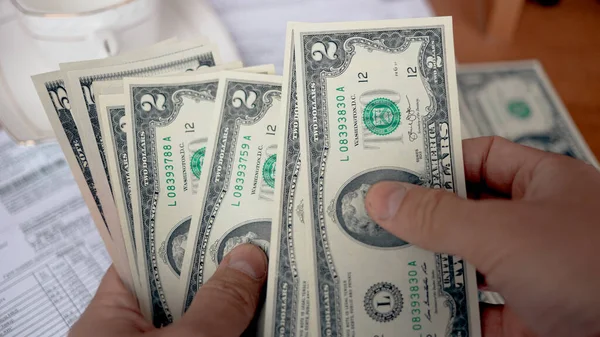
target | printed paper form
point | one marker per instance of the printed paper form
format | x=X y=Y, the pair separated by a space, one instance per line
x=51 y=257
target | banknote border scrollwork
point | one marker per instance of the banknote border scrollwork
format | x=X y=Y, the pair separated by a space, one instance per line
x=119 y=143
x=287 y=267
x=67 y=121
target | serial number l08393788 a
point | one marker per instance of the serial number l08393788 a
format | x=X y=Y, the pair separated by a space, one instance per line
x=169 y=174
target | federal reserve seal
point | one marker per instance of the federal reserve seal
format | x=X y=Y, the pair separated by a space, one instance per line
x=197 y=161
x=268 y=171
x=381 y=116
x=383 y=302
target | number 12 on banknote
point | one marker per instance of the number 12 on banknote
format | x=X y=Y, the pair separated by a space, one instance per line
x=380 y=102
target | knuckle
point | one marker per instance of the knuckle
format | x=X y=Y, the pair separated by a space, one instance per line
x=496 y=140
x=232 y=294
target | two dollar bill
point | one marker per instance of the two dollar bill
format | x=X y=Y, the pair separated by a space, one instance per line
x=365 y=102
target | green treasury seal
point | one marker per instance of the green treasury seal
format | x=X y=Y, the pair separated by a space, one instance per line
x=197 y=161
x=268 y=171
x=381 y=116
x=519 y=109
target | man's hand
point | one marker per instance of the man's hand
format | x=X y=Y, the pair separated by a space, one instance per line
x=224 y=306
x=534 y=234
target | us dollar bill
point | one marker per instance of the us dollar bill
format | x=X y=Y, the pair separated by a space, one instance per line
x=170 y=118
x=112 y=122
x=287 y=307
x=380 y=103
x=236 y=204
x=53 y=92
x=83 y=104
x=516 y=100
x=51 y=89
x=167 y=123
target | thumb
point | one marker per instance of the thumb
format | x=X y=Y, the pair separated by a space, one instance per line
x=225 y=305
x=441 y=221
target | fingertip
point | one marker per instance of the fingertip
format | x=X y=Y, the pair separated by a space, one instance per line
x=384 y=199
x=227 y=302
x=248 y=259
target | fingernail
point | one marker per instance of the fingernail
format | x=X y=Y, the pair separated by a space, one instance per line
x=385 y=200
x=249 y=260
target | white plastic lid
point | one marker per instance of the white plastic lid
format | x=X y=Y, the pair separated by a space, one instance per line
x=65 y=7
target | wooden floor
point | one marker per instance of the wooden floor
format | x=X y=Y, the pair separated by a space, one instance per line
x=565 y=38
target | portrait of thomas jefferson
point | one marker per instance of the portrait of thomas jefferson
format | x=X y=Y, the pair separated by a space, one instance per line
x=355 y=213
x=173 y=249
x=178 y=249
x=351 y=212
x=250 y=237
x=256 y=232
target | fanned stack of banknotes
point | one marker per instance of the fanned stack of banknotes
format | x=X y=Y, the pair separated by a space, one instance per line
x=181 y=158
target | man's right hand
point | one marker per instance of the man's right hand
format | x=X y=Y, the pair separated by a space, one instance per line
x=534 y=234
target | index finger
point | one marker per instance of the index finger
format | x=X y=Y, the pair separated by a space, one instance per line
x=501 y=165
